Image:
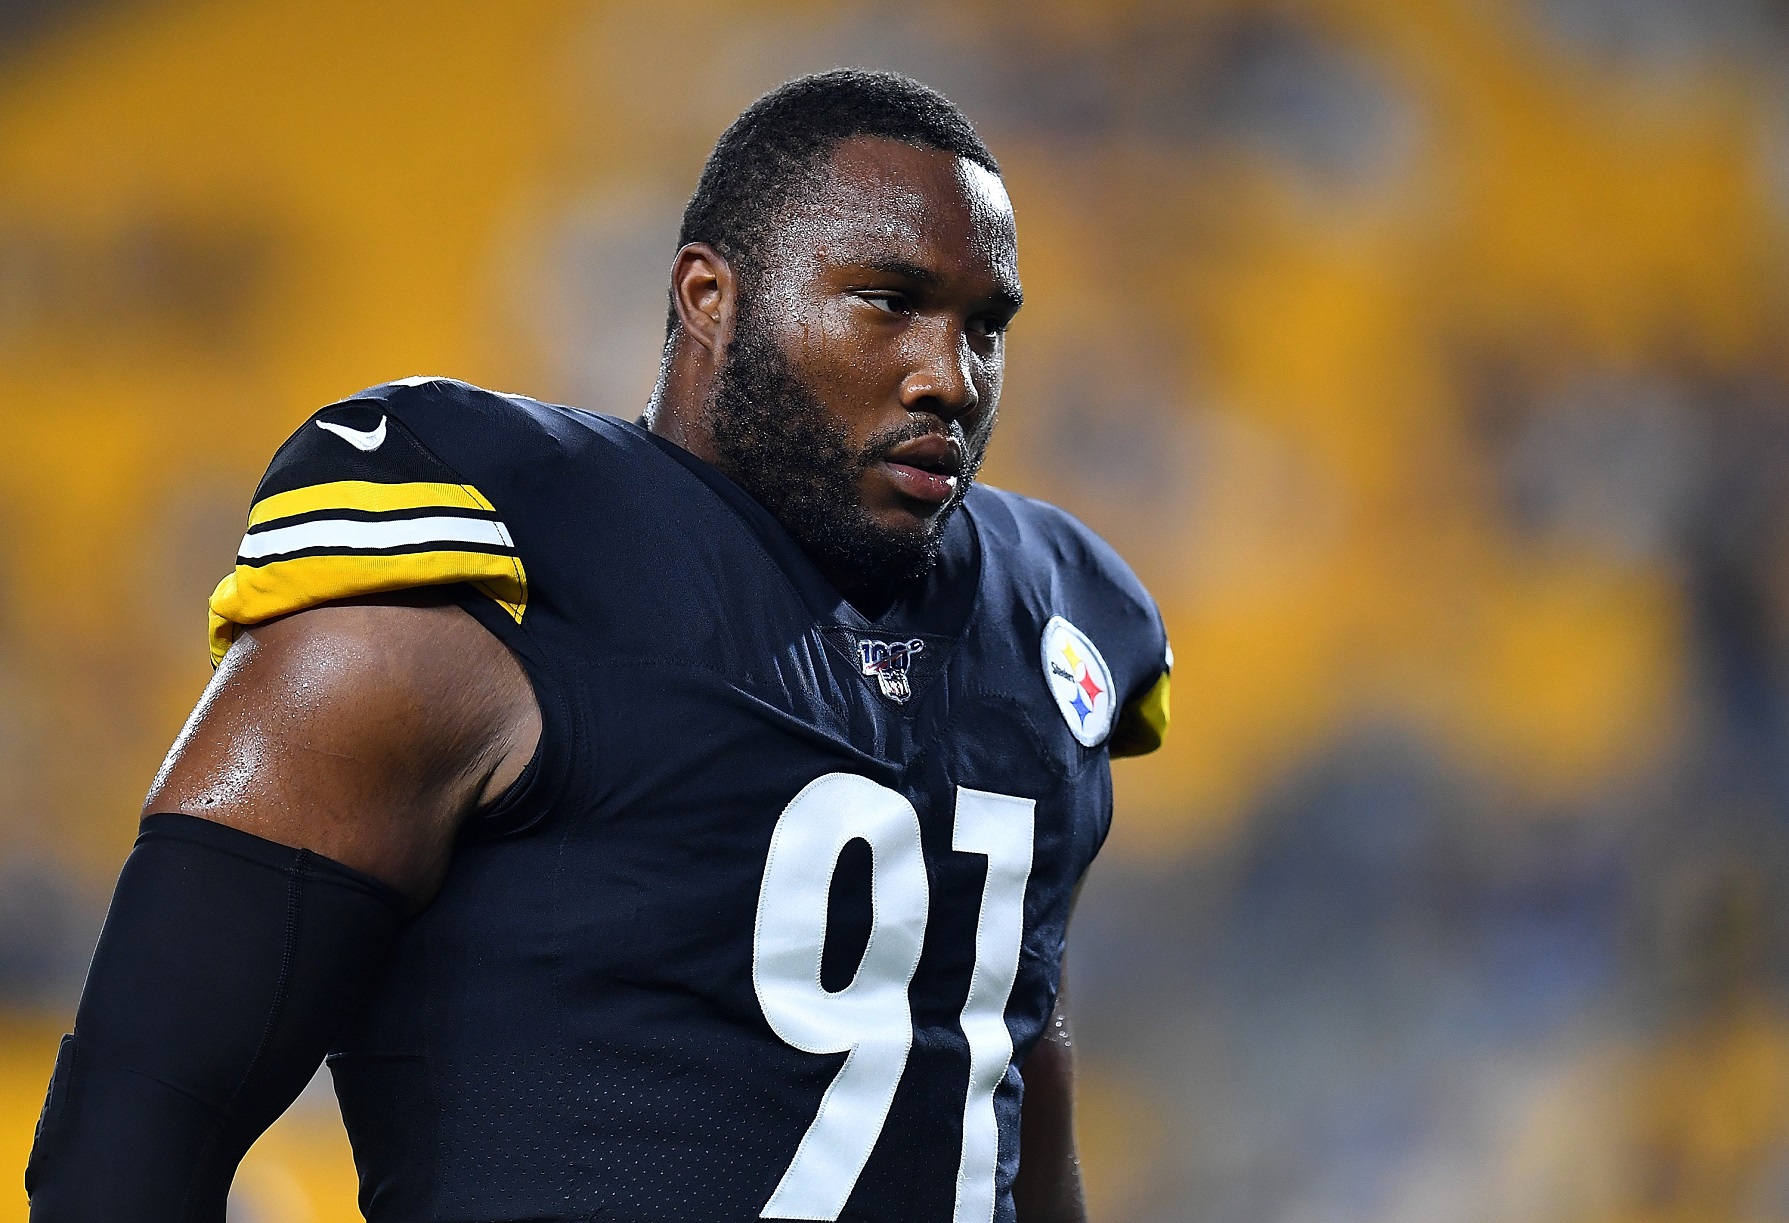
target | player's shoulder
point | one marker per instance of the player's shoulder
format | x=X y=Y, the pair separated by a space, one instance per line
x=1076 y=577
x=430 y=437
x=475 y=432
x=405 y=484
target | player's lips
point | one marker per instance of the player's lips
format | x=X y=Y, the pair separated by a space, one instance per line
x=926 y=468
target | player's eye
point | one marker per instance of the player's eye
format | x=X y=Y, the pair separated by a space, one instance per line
x=988 y=327
x=887 y=300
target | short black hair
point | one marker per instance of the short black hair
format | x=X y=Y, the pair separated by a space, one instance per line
x=778 y=145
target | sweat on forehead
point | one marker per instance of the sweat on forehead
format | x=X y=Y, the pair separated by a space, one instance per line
x=882 y=201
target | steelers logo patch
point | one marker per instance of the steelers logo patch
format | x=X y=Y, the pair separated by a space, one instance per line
x=1079 y=680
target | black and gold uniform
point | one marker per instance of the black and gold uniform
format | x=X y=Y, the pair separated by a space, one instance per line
x=779 y=906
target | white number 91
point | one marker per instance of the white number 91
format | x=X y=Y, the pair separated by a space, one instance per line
x=871 y=1020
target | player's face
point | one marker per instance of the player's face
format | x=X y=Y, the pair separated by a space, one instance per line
x=870 y=350
x=889 y=295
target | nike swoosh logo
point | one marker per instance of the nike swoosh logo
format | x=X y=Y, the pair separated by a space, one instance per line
x=361 y=439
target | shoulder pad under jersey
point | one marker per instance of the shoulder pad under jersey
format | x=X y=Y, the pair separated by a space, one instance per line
x=355 y=504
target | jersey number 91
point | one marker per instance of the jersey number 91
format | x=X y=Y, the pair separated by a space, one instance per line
x=870 y=1020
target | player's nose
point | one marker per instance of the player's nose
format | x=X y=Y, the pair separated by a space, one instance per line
x=943 y=380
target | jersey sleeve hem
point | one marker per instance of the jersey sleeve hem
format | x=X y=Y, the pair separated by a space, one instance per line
x=1143 y=724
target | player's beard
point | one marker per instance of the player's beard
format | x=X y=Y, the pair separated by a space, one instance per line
x=775 y=438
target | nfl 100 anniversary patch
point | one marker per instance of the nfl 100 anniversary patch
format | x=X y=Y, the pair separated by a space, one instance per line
x=1079 y=680
x=899 y=668
x=889 y=663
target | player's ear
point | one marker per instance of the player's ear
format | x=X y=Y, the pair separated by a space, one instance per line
x=703 y=290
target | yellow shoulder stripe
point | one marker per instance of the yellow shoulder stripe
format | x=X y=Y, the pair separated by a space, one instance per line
x=1144 y=723
x=253 y=594
x=367 y=496
x=356 y=538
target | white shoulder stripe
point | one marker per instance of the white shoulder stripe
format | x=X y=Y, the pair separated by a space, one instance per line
x=391 y=533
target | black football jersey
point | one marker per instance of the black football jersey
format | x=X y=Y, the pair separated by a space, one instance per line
x=771 y=920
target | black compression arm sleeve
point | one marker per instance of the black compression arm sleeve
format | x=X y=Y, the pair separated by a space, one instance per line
x=227 y=966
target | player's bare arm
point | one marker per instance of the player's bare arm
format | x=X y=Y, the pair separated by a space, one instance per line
x=1048 y=1187
x=364 y=731
x=361 y=734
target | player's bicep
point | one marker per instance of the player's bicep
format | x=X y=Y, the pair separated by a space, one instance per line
x=364 y=731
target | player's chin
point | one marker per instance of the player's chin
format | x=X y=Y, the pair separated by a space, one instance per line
x=897 y=515
x=904 y=531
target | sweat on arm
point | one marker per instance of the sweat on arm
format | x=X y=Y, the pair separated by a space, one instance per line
x=310 y=803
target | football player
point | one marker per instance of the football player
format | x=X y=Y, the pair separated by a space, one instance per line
x=658 y=821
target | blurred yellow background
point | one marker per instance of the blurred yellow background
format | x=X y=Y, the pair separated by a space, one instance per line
x=1426 y=357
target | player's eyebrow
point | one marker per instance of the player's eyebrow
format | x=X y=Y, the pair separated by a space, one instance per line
x=903 y=269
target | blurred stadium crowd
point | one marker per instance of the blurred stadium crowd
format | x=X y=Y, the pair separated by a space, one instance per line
x=1428 y=358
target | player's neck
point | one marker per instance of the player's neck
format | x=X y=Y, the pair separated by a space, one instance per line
x=675 y=410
